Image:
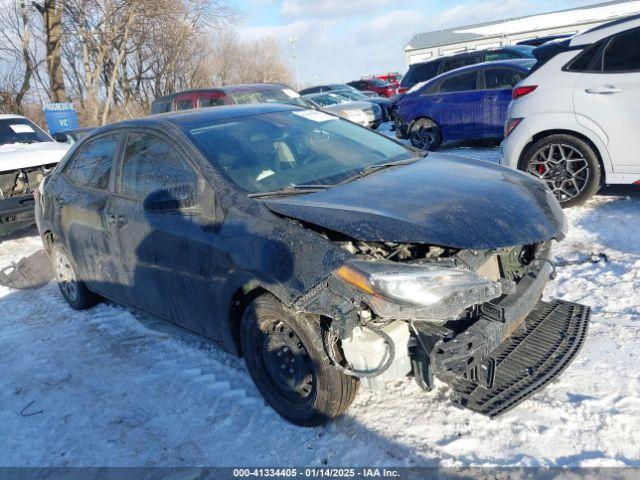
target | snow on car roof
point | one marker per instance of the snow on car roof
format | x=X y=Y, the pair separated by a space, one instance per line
x=7 y=116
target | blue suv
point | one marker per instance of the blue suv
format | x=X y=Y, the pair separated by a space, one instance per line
x=465 y=104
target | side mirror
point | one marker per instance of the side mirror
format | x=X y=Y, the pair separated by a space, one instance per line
x=61 y=137
x=171 y=199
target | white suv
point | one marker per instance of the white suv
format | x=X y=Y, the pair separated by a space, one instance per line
x=575 y=120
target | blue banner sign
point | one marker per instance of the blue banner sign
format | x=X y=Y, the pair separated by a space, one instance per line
x=61 y=117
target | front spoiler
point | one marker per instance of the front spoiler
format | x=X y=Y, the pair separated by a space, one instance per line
x=531 y=357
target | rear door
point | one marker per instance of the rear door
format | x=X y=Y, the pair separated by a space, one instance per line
x=608 y=95
x=458 y=105
x=80 y=196
x=498 y=88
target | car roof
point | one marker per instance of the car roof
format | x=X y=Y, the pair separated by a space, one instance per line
x=244 y=87
x=605 y=30
x=7 y=116
x=521 y=63
x=188 y=118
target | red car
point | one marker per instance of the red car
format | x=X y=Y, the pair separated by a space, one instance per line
x=393 y=78
x=384 y=89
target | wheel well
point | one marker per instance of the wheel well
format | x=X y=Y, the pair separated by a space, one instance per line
x=547 y=133
x=241 y=298
x=48 y=239
x=422 y=118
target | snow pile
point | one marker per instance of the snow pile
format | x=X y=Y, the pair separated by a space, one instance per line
x=107 y=387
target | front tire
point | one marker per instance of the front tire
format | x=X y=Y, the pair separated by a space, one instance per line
x=74 y=290
x=284 y=353
x=426 y=135
x=567 y=164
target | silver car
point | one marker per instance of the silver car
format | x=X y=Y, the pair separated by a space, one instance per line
x=363 y=113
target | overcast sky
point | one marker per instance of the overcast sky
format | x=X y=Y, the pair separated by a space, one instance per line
x=341 y=40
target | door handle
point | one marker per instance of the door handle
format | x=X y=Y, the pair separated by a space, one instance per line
x=116 y=220
x=603 y=90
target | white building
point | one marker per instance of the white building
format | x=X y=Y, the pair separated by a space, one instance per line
x=425 y=46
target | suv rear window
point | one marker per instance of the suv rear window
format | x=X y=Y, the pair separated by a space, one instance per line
x=623 y=53
x=459 y=61
x=420 y=72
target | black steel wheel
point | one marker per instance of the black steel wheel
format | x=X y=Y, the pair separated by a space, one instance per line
x=284 y=353
x=426 y=135
x=74 y=290
x=568 y=166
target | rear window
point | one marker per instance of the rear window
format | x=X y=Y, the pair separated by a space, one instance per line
x=623 y=53
x=460 y=61
x=210 y=102
x=91 y=165
x=460 y=83
x=501 y=78
x=586 y=61
x=275 y=95
x=420 y=73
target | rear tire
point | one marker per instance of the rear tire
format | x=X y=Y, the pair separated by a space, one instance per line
x=284 y=353
x=74 y=290
x=426 y=135
x=567 y=164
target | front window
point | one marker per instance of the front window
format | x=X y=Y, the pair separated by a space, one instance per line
x=272 y=151
x=21 y=130
x=270 y=95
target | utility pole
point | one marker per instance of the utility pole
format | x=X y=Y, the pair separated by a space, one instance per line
x=293 y=41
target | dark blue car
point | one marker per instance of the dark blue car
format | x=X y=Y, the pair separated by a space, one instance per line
x=465 y=104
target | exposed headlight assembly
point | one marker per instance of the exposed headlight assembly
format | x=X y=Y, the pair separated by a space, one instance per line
x=422 y=292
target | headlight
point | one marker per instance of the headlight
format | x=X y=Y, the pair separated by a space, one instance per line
x=435 y=290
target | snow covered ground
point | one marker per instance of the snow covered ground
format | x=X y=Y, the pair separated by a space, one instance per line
x=109 y=387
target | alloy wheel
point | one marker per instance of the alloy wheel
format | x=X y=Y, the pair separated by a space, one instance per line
x=424 y=137
x=563 y=168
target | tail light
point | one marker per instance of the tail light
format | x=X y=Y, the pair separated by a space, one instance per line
x=511 y=125
x=522 y=91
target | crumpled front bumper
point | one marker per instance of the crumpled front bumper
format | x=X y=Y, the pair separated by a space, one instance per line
x=16 y=213
x=533 y=352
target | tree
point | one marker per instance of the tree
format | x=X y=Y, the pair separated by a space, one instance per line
x=51 y=11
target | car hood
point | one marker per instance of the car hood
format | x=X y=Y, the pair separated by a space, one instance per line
x=442 y=200
x=26 y=155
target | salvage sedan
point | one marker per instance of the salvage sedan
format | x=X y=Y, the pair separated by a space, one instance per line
x=326 y=254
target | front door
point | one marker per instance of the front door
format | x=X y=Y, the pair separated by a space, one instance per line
x=165 y=260
x=609 y=97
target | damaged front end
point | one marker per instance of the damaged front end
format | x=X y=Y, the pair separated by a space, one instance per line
x=16 y=196
x=472 y=318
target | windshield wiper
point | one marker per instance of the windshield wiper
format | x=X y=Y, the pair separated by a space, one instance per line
x=290 y=190
x=369 y=169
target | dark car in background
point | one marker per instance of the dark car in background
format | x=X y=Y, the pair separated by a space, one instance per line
x=469 y=103
x=536 y=42
x=280 y=232
x=354 y=95
x=227 y=95
x=422 y=72
x=382 y=88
